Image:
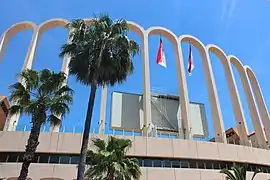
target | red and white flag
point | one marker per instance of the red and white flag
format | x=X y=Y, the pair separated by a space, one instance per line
x=161 y=59
x=190 y=61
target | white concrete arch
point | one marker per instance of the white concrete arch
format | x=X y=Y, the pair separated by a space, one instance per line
x=42 y=28
x=29 y=60
x=10 y=32
x=141 y=32
x=234 y=94
x=211 y=86
x=259 y=133
x=259 y=101
x=184 y=125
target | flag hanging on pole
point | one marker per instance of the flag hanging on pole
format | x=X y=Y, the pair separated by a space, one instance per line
x=161 y=59
x=190 y=61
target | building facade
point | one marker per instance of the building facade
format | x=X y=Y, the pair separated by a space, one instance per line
x=160 y=158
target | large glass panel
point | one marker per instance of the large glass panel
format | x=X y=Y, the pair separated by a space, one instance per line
x=167 y=163
x=43 y=159
x=3 y=157
x=148 y=163
x=12 y=158
x=184 y=164
x=74 y=159
x=175 y=164
x=157 y=163
x=54 y=159
x=65 y=159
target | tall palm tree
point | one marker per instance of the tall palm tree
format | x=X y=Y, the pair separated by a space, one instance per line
x=108 y=161
x=238 y=172
x=101 y=54
x=43 y=97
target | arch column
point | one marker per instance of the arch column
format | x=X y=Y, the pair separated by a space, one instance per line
x=103 y=106
x=3 y=46
x=234 y=94
x=220 y=135
x=64 y=69
x=259 y=101
x=28 y=63
x=147 y=117
x=186 y=131
x=250 y=100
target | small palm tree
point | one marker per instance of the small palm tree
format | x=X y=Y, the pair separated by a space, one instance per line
x=108 y=161
x=43 y=97
x=100 y=54
x=238 y=172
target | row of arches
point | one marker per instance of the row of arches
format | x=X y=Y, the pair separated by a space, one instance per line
x=256 y=104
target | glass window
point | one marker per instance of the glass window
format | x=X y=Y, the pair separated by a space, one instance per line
x=175 y=164
x=201 y=165
x=148 y=163
x=3 y=157
x=140 y=161
x=184 y=164
x=64 y=159
x=75 y=159
x=157 y=163
x=216 y=165
x=209 y=165
x=167 y=164
x=43 y=159
x=12 y=158
x=54 y=159
x=193 y=164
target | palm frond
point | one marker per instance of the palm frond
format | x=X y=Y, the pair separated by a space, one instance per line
x=229 y=174
x=15 y=109
x=54 y=120
x=19 y=94
x=30 y=78
x=100 y=144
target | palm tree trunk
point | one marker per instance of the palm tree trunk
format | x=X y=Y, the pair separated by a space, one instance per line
x=86 y=132
x=30 y=149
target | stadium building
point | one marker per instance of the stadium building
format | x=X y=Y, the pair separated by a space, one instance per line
x=168 y=132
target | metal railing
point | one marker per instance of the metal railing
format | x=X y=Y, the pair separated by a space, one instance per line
x=79 y=129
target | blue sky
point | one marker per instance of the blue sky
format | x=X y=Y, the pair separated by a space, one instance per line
x=239 y=27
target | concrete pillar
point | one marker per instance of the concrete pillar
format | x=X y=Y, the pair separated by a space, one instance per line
x=237 y=106
x=183 y=123
x=234 y=94
x=146 y=85
x=65 y=70
x=29 y=59
x=220 y=135
x=103 y=107
x=259 y=101
x=250 y=100
x=3 y=46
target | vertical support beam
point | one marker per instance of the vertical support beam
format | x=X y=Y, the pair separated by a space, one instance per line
x=184 y=124
x=260 y=102
x=103 y=107
x=250 y=100
x=220 y=135
x=28 y=63
x=146 y=85
x=65 y=70
x=3 y=46
x=237 y=105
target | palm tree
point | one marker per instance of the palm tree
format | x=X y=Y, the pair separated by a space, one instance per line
x=43 y=97
x=108 y=161
x=238 y=172
x=100 y=54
